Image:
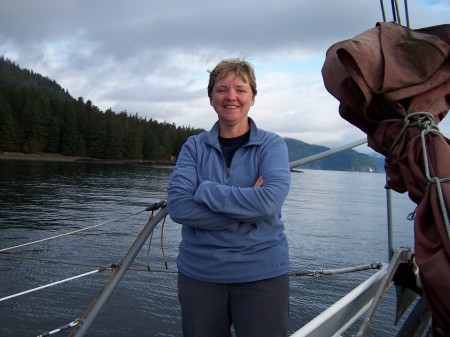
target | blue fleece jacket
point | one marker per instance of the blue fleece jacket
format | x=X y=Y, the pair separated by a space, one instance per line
x=232 y=232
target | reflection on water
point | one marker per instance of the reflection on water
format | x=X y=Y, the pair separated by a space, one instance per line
x=333 y=220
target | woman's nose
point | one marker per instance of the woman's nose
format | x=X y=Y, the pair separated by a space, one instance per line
x=231 y=95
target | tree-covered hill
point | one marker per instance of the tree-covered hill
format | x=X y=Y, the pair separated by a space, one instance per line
x=38 y=116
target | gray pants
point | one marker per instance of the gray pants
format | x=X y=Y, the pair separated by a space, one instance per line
x=256 y=309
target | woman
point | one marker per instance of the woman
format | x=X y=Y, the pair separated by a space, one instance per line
x=227 y=190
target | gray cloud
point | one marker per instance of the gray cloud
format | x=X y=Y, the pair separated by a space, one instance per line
x=151 y=57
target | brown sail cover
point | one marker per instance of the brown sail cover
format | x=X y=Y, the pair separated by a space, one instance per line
x=391 y=82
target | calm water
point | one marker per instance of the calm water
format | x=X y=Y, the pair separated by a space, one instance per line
x=333 y=220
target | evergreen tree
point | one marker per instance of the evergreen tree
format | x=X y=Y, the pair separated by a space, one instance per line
x=8 y=134
x=34 y=125
x=71 y=140
x=150 y=142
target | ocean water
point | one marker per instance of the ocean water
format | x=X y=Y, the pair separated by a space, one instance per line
x=333 y=220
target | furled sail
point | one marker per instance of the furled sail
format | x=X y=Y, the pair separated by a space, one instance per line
x=393 y=83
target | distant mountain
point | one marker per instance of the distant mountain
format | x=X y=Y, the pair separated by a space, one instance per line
x=348 y=160
x=379 y=160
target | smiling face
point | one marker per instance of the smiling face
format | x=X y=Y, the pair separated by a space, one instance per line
x=231 y=98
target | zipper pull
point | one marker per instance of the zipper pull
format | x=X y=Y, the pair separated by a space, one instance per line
x=228 y=172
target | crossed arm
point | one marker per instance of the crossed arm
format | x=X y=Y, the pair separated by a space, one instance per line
x=214 y=206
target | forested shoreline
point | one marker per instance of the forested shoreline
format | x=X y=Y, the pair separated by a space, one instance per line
x=38 y=116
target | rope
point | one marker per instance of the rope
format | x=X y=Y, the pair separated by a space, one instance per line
x=72 y=232
x=148 y=250
x=425 y=121
x=61 y=328
x=162 y=246
x=54 y=283
x=435 y=180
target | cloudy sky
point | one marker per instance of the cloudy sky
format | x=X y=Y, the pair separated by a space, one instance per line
x=151 y=57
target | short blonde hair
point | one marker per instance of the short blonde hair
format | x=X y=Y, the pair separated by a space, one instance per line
x=238 y=67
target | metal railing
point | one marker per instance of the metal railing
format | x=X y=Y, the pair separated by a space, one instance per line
x=87 y=319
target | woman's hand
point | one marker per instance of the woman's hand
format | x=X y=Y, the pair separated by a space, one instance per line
x=259 y=182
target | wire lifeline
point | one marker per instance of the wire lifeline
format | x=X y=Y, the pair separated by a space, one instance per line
x=153 y=207
x=174 y=271
x=53 y=284
x=61 y=328
x=31 y=258
x=72 y=232
x=319 y=272
x=315 y=273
